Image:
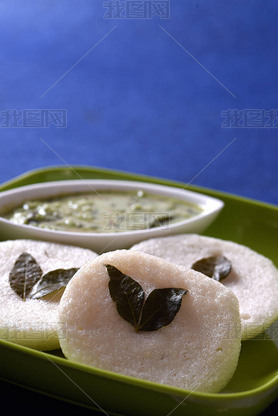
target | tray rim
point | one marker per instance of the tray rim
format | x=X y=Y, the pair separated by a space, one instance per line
x=164 y=389
x=47 y=356
x=9 y=184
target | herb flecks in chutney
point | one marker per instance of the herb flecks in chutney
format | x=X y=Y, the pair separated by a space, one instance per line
x=103 y=212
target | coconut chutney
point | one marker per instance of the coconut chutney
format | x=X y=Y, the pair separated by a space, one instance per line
x=103 y=212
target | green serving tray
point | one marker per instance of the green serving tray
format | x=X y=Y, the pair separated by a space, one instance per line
x=255 y=383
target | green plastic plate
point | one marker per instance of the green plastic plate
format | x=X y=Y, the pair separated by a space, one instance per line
x=255 y=383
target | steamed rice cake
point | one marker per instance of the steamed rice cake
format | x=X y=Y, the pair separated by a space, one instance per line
x=253 y=279
x=33 y=323
x=198 y=350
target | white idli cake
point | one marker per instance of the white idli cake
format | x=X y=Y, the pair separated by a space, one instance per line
x=102 y=326
x=33 y=321
x=253 y=277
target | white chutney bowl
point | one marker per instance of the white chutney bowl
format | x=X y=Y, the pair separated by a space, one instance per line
x=102 y=242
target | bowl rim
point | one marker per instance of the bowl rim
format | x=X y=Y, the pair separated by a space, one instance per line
x=208 y=203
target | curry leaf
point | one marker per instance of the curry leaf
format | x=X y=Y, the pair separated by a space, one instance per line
x=127 y=294
x=51 y=281
x=159 y=309
x=216 y=267
x=24 y=275
x=27 y=280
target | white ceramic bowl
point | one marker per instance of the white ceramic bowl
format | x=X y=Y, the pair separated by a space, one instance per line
x=102 y=242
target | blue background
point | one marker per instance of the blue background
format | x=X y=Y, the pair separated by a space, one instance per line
x=137 y=101
x=141 y=95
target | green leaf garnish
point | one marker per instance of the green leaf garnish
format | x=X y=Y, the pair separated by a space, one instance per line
x=159 y=309
x=127 y=294
x=27 y=280
x=162 y=220
x=52 y=281
x=24 y=275
x=216 y=267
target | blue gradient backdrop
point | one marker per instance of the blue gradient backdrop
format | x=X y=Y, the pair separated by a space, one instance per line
x=141 y=95
x=141 y=99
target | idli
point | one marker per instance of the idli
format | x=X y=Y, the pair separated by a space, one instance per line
x=33 y=322
x=196 y=349
x=253 y=277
